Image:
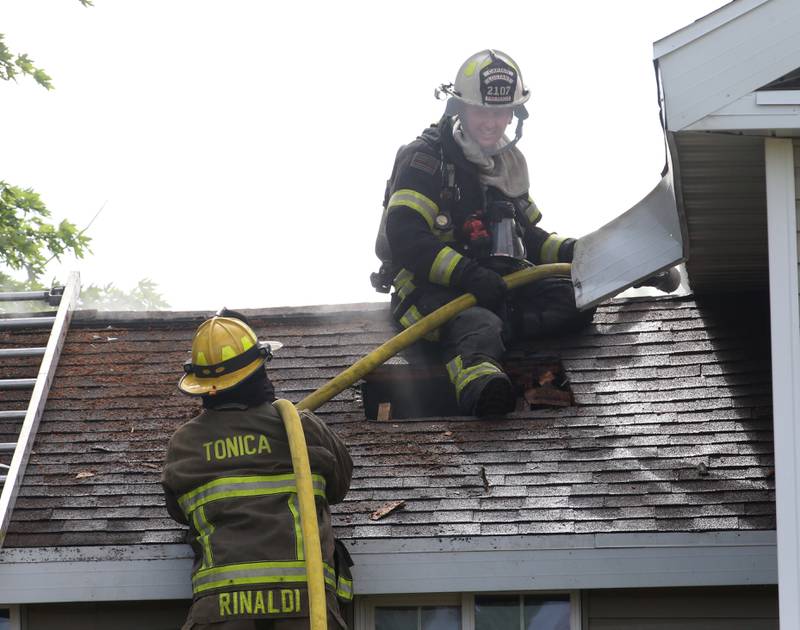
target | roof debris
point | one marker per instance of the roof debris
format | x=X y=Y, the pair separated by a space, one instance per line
x=386 y=509
x=384 y=412
x=484 y=479
x=542 y=379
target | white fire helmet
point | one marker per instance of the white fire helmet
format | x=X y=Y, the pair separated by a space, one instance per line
x=489 y=78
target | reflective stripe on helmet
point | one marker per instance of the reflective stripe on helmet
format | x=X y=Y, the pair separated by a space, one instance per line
x=443 y=266
x=461 y=376
x=250 y=486
x=416 y=201
x=470 y=67
x=230 y=361
x=549 y=250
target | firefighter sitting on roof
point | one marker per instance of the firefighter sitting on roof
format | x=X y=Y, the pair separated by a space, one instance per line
x=228 y=476
x=457 y=215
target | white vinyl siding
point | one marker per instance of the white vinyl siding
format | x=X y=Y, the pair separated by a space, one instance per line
x=785 y=345
x=736 y=51
x=796 y=144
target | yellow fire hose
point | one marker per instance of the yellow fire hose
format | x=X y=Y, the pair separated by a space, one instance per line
x=297 y=442
x=411 y=334
x=318 y=615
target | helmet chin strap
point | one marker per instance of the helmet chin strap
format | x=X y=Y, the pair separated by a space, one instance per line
x=521 y=113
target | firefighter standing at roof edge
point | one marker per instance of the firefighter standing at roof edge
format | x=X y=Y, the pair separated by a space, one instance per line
x=228 y=476
x=457 y=216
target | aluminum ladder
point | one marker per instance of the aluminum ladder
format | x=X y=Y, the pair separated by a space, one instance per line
x=11 y=474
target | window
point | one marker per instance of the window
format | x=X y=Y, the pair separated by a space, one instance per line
x=418 y=618
x=9 y=618
x=523 y=612
x=531 y=611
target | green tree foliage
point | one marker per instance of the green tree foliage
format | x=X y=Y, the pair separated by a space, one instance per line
x=12 y=65
x=144 y=296
x=28 y=241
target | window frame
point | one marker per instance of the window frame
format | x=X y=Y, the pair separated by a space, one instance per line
x=365 y=606
x=15 y=616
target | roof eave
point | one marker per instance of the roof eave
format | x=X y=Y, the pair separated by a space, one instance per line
x=418 y=565
x=734 y=51
x=703 y=26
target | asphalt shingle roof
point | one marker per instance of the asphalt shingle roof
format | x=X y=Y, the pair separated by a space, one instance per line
x=671 y=430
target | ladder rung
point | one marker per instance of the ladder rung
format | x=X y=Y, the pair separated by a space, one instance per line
x=12 y=415
x=27 y=322
x=17 y=383
x=21 y=352
x=23 y=296
x=5 y=447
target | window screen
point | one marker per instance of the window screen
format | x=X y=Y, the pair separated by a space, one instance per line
x=546 y=613
x=497 y=612
x=417 y=618
x=528 y=612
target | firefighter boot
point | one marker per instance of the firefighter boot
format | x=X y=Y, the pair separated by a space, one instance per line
x=489 y=395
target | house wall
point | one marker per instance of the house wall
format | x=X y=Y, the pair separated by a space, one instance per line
x=785 y=343
x=152 y=615
x=730 y=608
x=796 y=144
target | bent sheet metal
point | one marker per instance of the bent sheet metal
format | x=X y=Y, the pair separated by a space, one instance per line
x=637 y=244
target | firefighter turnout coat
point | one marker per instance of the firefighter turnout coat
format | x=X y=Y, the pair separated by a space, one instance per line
x=431 y=196
x=228 y=476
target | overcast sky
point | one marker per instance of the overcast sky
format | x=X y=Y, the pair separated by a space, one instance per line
x=241 y=148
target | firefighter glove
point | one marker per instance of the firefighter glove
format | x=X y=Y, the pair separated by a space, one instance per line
x=487 y=286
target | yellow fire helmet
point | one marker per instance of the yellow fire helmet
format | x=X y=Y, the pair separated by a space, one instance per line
x=225 y=351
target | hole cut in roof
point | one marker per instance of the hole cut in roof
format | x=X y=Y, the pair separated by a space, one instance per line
x=400 y=390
